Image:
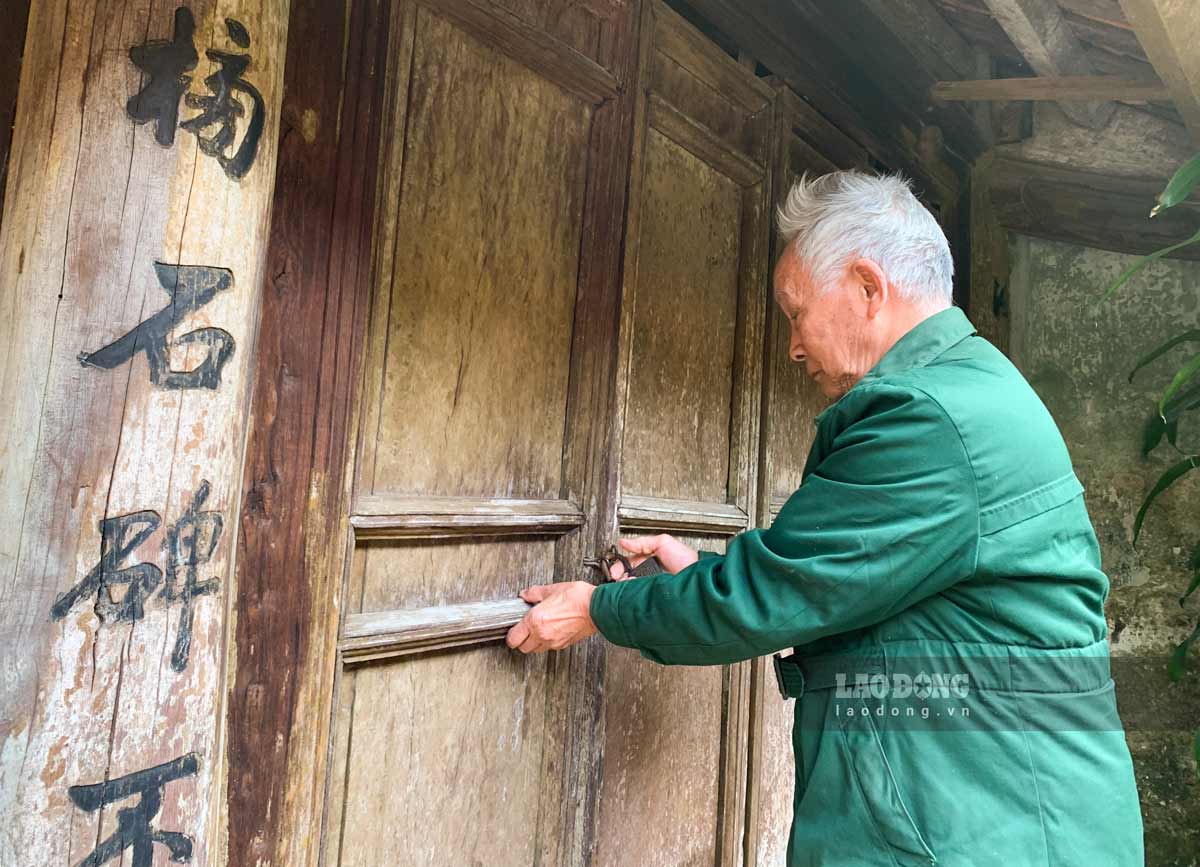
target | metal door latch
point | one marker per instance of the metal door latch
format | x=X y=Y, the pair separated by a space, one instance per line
x=602 y=564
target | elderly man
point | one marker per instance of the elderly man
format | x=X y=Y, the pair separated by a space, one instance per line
x=936 y=574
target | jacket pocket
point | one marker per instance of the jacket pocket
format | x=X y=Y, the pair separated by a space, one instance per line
x=881 y=794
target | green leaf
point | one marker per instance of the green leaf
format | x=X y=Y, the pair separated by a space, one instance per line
x=1144 y=261
x=1196 y=751
x=1152 y=433
x=1164 y=481
x=1181 y=403
x=1180 y=186
x=1191 y=587
x=1193 y=334
x=1195 y=561
x=1185 y=373
x=1178 y=663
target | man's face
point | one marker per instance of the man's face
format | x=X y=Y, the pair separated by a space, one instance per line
x=831 y=334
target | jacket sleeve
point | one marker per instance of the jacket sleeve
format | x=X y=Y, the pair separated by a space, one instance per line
x=888 y=517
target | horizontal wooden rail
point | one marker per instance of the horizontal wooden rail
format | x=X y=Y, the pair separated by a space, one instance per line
x=655 y=513
x=1070 y=87
x=387 y=634
x=703 y=143
x=522 y=41
x=394 y=517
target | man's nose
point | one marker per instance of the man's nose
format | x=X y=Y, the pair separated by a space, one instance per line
x=796 y=352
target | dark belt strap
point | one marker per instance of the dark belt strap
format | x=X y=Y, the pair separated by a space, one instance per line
x=1077 y=671
x=795 y=676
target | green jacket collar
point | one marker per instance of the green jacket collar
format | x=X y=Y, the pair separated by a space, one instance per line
x=924 y=342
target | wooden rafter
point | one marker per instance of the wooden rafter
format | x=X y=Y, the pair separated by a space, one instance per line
x=1040 y=32
x=1169 y=31
x=1071 y=87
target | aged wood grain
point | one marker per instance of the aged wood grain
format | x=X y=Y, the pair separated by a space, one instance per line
x=470 y=322
x=12 y=47
x=92 y=203
x=1088 y=208
x=484 y=437
x=289 y=573
x=687 y=405
x=445 y=760
x=1051 y=89
x=663 y=747
x=386 y=634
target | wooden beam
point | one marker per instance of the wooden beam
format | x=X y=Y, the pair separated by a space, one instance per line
x=1045 y=39
x=1068 y=87
x=1169 y=31
x=1089 y=208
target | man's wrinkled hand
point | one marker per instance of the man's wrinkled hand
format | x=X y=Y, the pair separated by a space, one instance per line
x=559 y=618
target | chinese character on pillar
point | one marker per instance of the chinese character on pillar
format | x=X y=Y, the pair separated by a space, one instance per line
x=134 y=830
x=231 y=101
x=190 y=288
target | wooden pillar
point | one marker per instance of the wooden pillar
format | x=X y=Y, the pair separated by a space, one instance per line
x=131 y=264
x=289 y=569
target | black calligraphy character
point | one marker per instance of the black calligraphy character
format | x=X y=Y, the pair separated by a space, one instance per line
x=133 y=823
x=165 y=62
x=118 y=539
x=190 y=288
x=222 y=110
x=190 y=544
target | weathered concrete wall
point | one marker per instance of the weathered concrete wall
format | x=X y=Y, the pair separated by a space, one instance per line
x=1077 y=355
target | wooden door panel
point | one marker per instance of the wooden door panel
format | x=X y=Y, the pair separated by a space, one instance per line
x=649 y=715
x=806 y=143
x=444 y=760
x=479 y=323
x=448 y=747
x=675 y=744
x=418 y=573
x=681 y=382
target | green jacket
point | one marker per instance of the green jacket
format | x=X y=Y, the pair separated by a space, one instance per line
x=939 y=580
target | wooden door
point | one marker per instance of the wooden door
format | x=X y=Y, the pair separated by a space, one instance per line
x=483 y=429
x=791 y=401
x=672 y=777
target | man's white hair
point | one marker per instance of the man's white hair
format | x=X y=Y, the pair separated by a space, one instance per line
x=836 y=218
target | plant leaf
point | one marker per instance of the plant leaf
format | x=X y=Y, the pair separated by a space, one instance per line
x=1193 y=334
x=1196 y=751
x=1178 y=663
x=1164 y=481
x=1152 y=433
x=1185 y=179
x=1185 y=373
x=1181 y=403
x=1143 y=262
x=1191 y=587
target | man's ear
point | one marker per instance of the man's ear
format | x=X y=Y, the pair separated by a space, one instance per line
x=873 y=283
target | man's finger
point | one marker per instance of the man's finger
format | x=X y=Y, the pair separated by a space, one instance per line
x=530 y=644
x=517 y=635
x=535 y=594
x=639 y=544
